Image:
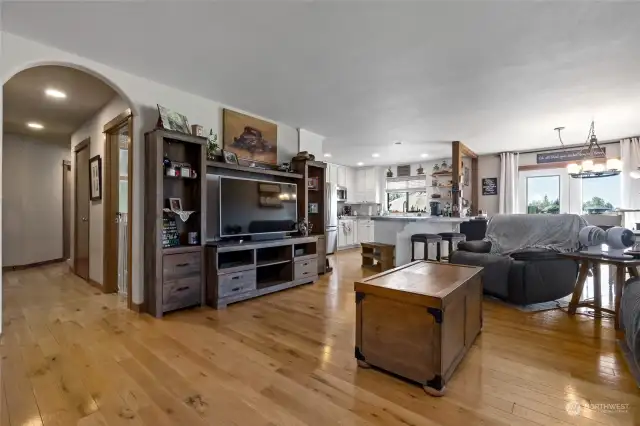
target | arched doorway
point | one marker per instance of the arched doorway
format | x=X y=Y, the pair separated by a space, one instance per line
x=65 y=213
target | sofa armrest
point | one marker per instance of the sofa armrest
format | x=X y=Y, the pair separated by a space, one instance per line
x=475 y=246
x=535 y=254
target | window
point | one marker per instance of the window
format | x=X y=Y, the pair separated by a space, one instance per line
x=543 y=194
x=601 y=194
x=396 y=201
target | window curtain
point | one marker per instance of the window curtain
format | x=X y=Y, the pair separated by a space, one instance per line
x=508 y=184
x=630 y=156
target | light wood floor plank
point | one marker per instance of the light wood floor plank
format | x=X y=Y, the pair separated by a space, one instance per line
x=72 y=355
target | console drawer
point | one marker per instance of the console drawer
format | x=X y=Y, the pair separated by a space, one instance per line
x=236 y=283
x=181 y=265
x=305 y=268
x=181 y=293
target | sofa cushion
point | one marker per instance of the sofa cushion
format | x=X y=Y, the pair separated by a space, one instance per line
x=475 y=246
x=535 y=254
x=495 y=275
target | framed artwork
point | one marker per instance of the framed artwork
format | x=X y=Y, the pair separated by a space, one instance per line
x=230 y=157
x=95 y=178
x=171 y=120
x=175 y=204
x=312 y=183
x=249 y=137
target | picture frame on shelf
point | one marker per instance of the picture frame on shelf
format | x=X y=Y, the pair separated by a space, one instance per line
x=230 y=157
x=313 y=184
x=175 y=204
x=171 y=120
x=95 y=174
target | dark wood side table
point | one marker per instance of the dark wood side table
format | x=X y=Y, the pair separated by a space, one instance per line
x=589 y=261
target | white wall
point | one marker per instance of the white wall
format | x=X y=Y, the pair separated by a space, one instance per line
x=32 y=200
x=19 y=53
x=93 y=129
x=312 y=143
x=488 y=167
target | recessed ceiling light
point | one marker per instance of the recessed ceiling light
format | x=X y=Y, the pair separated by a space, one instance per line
x=397 y=142
x=326 y=154
x=424 y=155
x=375 y=155
x=360 y=163
x=35 y=125
x=55 y=93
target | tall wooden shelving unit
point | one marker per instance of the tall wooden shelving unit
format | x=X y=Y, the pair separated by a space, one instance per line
x=314 y=170
x=174 y=277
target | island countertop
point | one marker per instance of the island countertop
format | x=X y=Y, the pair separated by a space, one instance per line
x=422 y=218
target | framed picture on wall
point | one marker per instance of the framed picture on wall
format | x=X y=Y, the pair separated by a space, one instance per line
x=95 y=178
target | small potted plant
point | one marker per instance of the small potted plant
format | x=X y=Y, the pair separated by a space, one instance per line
x=213 y=150
x=389 y=172
x=420 y=169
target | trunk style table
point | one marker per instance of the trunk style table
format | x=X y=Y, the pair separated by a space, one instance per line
x=588 y=261
x=418 y=320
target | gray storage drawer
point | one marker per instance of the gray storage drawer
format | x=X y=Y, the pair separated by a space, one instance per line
x=181 y=293
x=181 y=265
x=236 y=283
x=305 y=268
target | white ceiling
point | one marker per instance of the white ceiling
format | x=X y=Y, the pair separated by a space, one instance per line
x=24 y=101
x=495 y=75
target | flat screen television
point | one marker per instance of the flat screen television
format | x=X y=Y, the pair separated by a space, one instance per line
x=250 y=207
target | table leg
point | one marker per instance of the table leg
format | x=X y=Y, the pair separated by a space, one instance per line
x=620 y=275
x=597 y=296
x=577 y=291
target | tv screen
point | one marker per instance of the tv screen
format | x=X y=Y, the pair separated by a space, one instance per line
x=257 y=207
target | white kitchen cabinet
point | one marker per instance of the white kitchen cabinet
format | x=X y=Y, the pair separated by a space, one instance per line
x=341 y=176
x=363 y=231
x=346 y=233
x=370 y=179
x=350 y=182
x=371 y=229
x=361 y=178
x=332 y=173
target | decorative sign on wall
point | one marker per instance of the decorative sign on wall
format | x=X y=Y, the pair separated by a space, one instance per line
x=567 y=155
x=404 y=170
x=490 y=186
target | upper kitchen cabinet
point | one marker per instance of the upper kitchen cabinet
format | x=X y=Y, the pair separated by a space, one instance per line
x=332 y=173
x=366 y=185
x=341 y=176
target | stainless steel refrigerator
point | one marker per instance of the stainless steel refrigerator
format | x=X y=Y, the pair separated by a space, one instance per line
x=332 y=217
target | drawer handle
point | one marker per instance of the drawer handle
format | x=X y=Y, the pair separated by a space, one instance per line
x=181 y=265
x=305 y=273
x=305 y=263
x=237 y=277
x=236 y=288
x=182 y=288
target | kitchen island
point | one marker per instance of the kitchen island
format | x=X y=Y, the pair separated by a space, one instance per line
x=397 y=230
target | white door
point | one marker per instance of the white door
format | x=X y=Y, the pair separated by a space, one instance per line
x=549 y=191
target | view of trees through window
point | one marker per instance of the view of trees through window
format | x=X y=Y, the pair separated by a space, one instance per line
x=543 y=194
x=601 y=194
x=407 y=201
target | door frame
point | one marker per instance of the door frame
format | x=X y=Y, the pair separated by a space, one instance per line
x=66 y=167
x=112 y=180
x=85 y=144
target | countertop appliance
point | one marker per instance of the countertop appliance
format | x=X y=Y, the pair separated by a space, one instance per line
x=341 y=192
x=331 y=229
x=436 y=208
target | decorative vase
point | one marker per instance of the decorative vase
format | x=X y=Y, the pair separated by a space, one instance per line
x=436 y=168
x=389 y=172
x=444 y=165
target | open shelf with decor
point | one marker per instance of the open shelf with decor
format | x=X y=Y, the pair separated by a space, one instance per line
x=175 y=220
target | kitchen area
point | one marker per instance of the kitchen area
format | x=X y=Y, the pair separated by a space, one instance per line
x=389 y=203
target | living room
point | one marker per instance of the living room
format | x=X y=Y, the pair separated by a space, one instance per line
x=248 y=293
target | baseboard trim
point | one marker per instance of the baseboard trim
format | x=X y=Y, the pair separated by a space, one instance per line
x=95 y=284
x=137 y=307
x=31 y=265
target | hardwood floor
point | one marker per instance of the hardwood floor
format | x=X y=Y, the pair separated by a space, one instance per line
x=71 y=355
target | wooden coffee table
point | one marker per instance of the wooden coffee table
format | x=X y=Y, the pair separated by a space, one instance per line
x=418 y=320
x=591 y=261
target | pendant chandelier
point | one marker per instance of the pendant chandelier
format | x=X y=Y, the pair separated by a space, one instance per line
x=591 y=151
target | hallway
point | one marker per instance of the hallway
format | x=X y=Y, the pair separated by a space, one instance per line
x=72 y=355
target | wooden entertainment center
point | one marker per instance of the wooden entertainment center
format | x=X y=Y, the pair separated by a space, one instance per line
x=212 y=270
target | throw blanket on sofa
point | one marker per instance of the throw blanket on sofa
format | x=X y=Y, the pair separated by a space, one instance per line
x=511 y=232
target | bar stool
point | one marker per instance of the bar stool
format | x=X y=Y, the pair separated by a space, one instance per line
x=426 y=239
x=452 y=238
